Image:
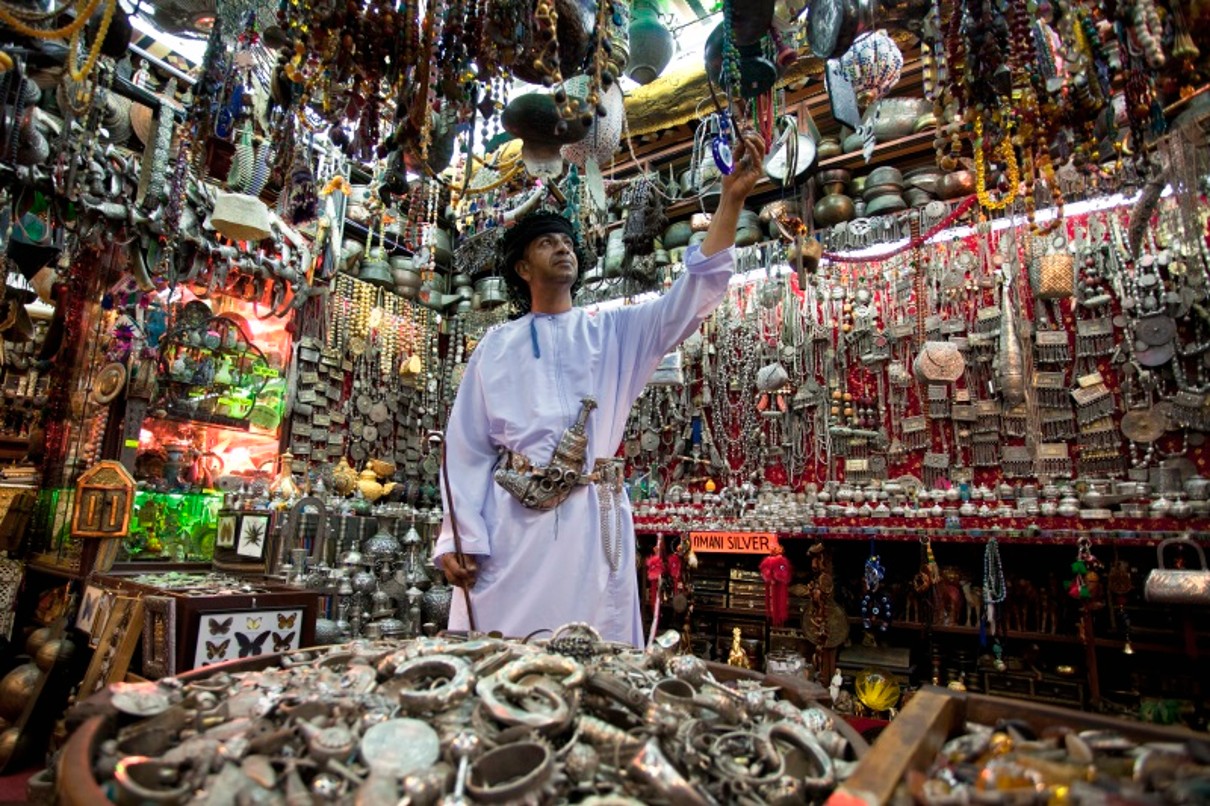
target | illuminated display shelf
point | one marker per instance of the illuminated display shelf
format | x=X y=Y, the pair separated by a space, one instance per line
x=173 y=526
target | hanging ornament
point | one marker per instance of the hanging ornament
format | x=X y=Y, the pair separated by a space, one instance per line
x=777 y=572
x=872 y=66
x=875 y=604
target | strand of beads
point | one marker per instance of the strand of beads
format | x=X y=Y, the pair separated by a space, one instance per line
x=546 y=16
x=94 y=52
x=602 y=73
x=730 y=73
x=1144 y=21
x=13 y=19
x=1006 y=154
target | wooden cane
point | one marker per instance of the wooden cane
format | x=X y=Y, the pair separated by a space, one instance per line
x=449 y=502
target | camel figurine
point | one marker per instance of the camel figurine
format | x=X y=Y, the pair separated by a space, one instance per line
x=974 y=603
x=1022 y=603
x=947 y=599
x=1048 y=606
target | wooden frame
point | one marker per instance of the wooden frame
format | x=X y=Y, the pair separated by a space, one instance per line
x=121 y=635
x=228 y=525
x=159 y=636
x=103 y=502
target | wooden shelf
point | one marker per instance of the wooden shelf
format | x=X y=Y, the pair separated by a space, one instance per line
x=962 y=629
x=1039 y=531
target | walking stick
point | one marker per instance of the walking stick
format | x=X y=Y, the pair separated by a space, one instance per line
x=449 y=501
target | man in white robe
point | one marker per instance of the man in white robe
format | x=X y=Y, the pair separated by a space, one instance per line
x=531 y=570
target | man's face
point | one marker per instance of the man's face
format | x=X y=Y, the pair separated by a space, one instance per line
x=550 y=261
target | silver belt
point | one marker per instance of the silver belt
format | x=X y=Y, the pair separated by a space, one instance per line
x=607 y=471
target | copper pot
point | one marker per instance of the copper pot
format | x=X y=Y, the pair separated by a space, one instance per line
x=955 y=185
x=833 y=209
x=828 y=147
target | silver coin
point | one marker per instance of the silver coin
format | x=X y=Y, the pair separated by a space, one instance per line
x=1155 y=330
x=364 y=403
x=357 y=453
x=650 y=440
x=379 y=413
x=400 y=747
x=370 y=433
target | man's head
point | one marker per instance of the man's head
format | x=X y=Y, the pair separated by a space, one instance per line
x=539 y=248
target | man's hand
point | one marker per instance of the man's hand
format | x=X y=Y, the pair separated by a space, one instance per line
x=460 y=574
x=748 y=151
x=749 y=155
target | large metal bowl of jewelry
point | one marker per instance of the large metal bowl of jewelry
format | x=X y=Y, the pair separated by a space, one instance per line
x=418 y=721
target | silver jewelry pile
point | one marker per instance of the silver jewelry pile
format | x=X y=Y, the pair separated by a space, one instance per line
x=443 y=720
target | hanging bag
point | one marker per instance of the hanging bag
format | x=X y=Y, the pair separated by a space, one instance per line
x=939 y=362
x=1180 y=586
x=1053 y=276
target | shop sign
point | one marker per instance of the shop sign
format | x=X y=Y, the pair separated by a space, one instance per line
x=734 y=542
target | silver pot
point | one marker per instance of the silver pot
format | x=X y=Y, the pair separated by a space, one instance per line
x=491 y=292
x=443 y=250
x=896 y=117
x=407 y=279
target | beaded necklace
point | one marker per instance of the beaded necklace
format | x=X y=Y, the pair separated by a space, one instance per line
x=995 y=590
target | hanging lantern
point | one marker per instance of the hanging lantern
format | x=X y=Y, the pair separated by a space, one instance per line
x=605 y=134
x=872 y=65
x=651 y=43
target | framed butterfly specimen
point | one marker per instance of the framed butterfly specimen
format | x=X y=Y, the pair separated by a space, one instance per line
x=234 y=634
x=249 y=646
x=283 y=643
x=89 y=607
x=220 y=627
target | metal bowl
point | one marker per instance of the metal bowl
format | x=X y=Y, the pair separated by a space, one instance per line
x=886 y=175
x=873 y=192
x=835 y=175
x=885 y=204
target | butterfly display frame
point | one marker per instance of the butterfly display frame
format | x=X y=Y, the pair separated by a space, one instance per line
x=92 y=605
x=225 y=635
